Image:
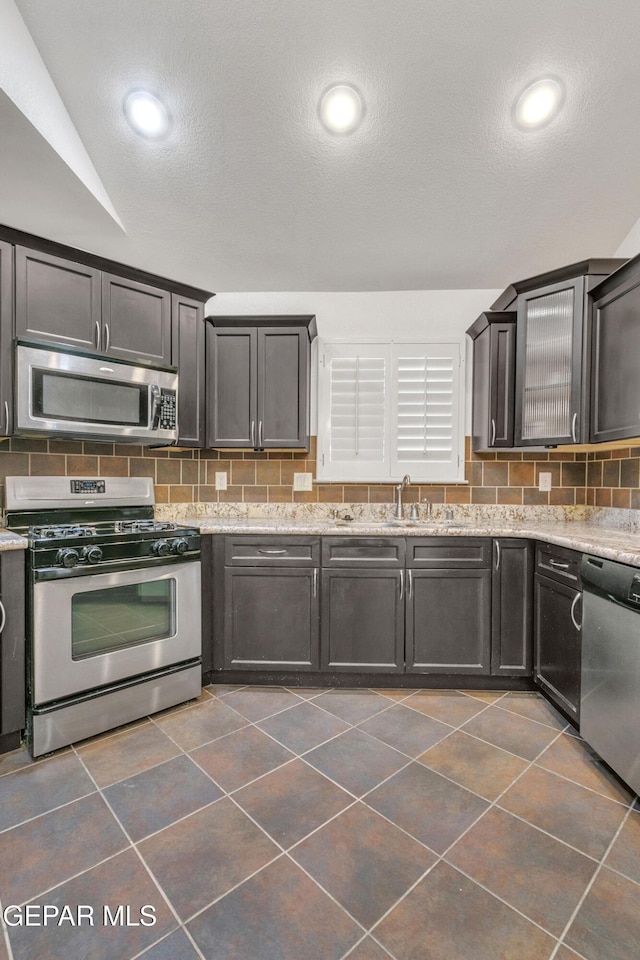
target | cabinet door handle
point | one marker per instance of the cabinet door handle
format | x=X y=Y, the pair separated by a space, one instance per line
x=106 y=338
x=315 y=581
x=493 y=432
x=577 y=625
x=260 y=435
x=3 y=616
x=6 y=419
x=556 y=563
x=497 y=543
x=253 y=433
x=574 y=424
x=272 y=553
x=402 y=584
x=97 y=334
x=409 y=584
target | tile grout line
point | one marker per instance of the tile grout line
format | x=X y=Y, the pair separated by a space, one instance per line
x=596 y=874
x=5 y=934
x=441 y=858
x=143 y=863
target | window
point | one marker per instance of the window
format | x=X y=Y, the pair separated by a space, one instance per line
x=386 y=408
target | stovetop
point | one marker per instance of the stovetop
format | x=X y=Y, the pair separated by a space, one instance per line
x=54 y=532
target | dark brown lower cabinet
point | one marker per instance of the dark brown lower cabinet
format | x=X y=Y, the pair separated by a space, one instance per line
x=558 y=642
x=271 y=618
x=12 y=648
x=512 y=608
x=448 y=621
x=363 y=620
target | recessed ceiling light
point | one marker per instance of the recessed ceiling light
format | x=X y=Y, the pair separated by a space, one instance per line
x=341 y=109
x=147 y=115
x=538 y=103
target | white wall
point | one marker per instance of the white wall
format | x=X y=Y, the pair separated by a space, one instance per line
x=441 y=314
x=630 y=246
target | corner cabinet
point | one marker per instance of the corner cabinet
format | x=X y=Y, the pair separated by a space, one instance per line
x=494 y=367
x=615 y=384
x=553 y=353
x=12 y=649
x=258 y=381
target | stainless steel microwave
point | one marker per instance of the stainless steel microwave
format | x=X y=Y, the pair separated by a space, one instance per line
x=64 y=393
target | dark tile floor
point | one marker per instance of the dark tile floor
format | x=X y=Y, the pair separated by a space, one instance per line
x=272 y=824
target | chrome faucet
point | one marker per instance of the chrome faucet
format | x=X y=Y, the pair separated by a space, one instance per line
x=406 y=482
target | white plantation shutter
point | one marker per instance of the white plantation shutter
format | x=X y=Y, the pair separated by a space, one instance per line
x=426 y=410
x=353 y=419
x=389 y=408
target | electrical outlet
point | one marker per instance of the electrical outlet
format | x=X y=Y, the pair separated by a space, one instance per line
x=303 y=481
x=544 y=481
x=221 y=480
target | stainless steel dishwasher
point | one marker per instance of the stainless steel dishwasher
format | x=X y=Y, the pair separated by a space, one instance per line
x=610 y=700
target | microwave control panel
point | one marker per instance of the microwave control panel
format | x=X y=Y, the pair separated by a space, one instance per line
x=167 y=410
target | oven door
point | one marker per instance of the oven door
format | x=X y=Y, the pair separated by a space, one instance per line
x=91 y=631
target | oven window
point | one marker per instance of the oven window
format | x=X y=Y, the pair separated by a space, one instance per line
x=63 y=396
x=103 y=621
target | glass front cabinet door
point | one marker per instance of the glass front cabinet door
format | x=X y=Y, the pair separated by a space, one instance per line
x=549 y=364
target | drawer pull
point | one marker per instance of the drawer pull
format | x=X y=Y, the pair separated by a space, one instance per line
x=402 y=584
x=556 y=563
x=409 y=584
x=3 y=615
x=272 y=553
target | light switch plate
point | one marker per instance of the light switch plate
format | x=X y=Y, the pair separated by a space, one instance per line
x=303 y=481
x=221 y=480
x=544 y=481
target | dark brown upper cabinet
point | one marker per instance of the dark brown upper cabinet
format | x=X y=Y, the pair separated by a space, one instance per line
x=6 y=339
x=258 y=381
x=494 y=368
x=187 y=354
x=136 y=320
x=68 y=296
x=553 y=352
x=57 y=299
x=615 y=384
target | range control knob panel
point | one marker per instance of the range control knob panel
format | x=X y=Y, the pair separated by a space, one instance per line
x=67 y=557
x=92 y=554
x=161 y=548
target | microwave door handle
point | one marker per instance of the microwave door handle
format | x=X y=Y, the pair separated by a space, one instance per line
x=155 y=406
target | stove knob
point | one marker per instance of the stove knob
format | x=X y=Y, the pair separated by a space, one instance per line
x=67 y=557
x=180 y=546
x=92 y=554
x=161 y=548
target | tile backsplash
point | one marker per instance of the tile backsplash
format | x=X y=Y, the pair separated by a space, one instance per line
x=597 y=477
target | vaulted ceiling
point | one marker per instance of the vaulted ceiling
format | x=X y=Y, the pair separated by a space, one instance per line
x=436 y=189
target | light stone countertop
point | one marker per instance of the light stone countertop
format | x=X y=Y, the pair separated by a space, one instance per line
x=610 y=542
x=11 y=541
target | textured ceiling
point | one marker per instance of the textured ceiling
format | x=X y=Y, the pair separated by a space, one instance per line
x=435 y=190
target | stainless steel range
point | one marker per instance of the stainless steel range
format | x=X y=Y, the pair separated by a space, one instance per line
x=114 y=605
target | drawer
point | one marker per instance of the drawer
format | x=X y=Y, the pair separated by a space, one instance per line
x=449 y=553
x=558 y=563
x=247 y=551
x=362 y=552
